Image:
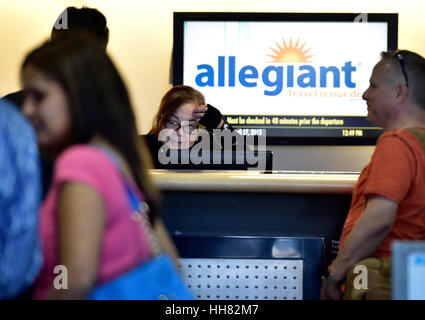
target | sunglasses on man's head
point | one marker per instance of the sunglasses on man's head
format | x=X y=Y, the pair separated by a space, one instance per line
x=400 y=57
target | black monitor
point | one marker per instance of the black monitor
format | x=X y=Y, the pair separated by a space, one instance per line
x=297 y=78
x=217 y=160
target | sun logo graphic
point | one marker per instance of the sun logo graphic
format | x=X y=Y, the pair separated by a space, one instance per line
x=290 y=53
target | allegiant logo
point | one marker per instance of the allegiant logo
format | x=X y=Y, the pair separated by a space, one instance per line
x=272 y=76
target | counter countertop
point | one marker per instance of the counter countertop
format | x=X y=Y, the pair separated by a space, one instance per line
x=255 y=181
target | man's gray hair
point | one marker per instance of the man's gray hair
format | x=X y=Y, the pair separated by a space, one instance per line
x=409 y=66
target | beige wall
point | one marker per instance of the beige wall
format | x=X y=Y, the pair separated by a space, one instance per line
x=141 y=34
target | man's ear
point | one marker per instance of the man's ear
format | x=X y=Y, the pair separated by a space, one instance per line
x=402 y=92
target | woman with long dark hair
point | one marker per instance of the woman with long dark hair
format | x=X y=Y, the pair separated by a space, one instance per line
x=83 y=117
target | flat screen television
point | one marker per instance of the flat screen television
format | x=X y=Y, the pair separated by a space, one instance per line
x=296 y=78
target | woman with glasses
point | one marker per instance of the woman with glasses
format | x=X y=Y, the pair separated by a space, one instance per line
x=181 y=115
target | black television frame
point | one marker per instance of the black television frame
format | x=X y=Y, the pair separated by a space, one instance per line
x=178 y=51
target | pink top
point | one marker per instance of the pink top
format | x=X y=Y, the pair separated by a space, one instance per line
x=124 y=245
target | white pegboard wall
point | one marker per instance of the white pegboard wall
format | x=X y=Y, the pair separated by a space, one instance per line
x=243 y=279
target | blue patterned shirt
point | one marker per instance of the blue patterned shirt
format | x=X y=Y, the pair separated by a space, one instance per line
x=20 y=256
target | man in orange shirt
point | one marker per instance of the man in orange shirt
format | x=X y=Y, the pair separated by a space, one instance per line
x=388 y=200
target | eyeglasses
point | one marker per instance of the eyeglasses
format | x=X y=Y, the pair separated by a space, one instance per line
x=400 y=56
x=185 y=125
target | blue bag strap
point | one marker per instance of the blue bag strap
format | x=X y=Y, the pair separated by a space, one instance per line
x=140 y=208
x=135 y=202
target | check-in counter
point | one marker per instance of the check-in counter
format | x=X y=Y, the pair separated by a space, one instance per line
x=256 y=181
x=289 y=217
